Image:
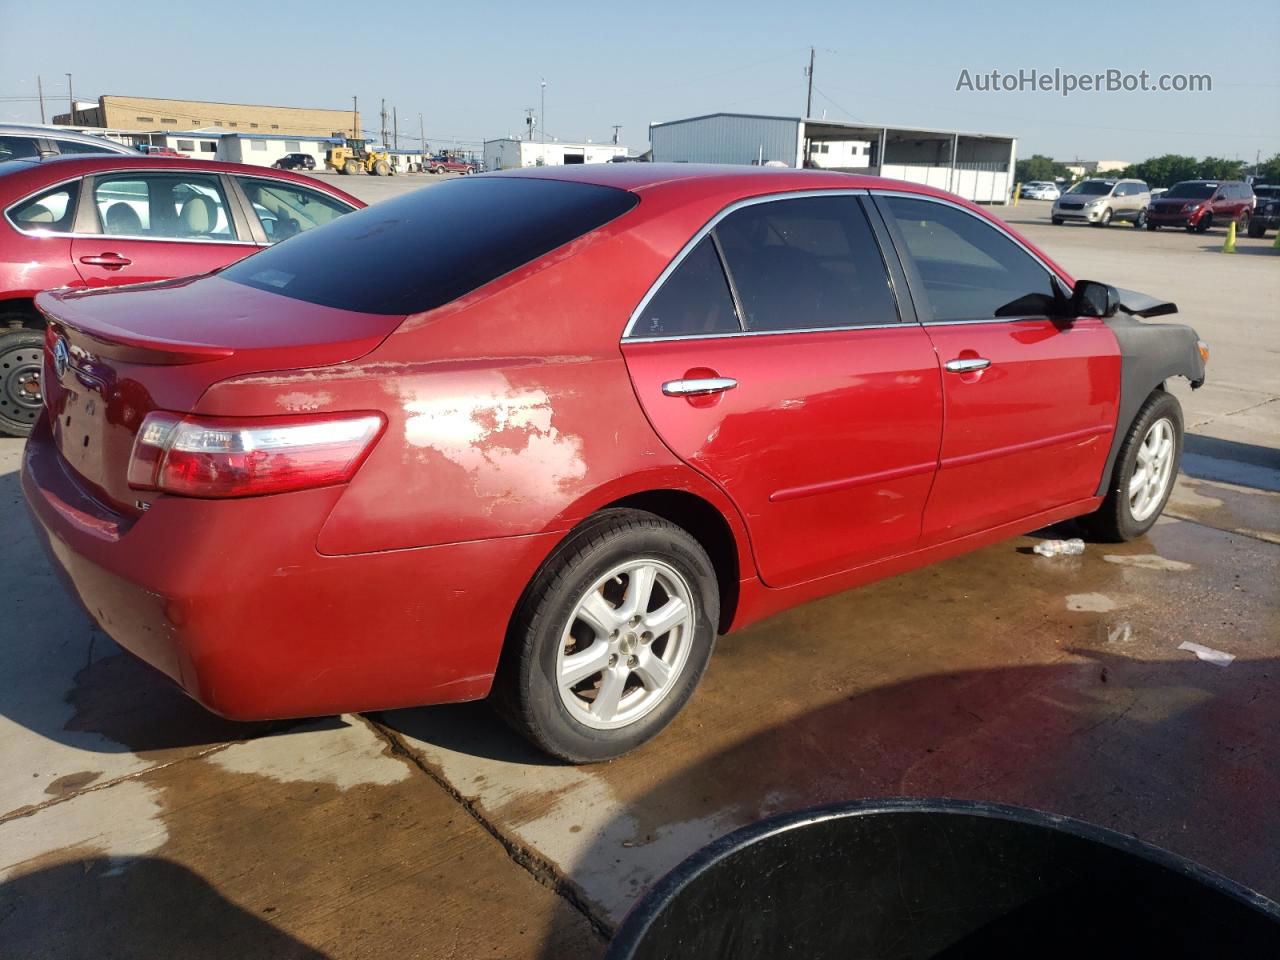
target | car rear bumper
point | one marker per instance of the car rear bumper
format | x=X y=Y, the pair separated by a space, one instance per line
x=232 y=601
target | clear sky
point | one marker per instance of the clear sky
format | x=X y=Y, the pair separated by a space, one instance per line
x=471 y=68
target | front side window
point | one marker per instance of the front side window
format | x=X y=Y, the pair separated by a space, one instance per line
x=52 y=211
x=806 y=263
x=969 y=269
x=72 y=146
x=694 y=300
x=163 y=206
x=285 y=210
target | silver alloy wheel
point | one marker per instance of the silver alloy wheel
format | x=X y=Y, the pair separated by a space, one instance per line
x=626 y=644
x=1153 y=471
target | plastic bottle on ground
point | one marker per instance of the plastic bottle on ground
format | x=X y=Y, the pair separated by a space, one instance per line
x=1060 y=548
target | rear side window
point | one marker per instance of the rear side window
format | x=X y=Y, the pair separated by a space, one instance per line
x=694 y=300
x=426 y=248
x=17 y=148
x=54 y=210
x=163 y=206
x=805 y=264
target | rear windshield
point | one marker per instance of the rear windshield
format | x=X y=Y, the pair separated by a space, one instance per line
x=1190 y=191
x=423 y=249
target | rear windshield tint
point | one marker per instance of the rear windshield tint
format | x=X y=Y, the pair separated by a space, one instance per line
x=422 y=250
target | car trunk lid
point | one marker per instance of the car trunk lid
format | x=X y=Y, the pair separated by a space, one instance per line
x=113 y=356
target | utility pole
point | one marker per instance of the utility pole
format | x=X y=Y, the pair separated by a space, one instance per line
x=395 y=129
x=808 y=104
x=71 y=101
x=422 y=136
x=40 y=94
x=355 y=122
x=616 y=128
x=542 y=125
x=530 y=121
x=382 y=131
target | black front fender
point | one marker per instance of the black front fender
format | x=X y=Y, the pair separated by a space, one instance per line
x=1150 y=354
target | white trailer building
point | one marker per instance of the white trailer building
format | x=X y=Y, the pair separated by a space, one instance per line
x=977 y=166
x=510 y=153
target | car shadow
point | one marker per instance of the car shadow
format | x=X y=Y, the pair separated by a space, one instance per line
x=1230 y=461
x=63 y=679
x=1177 y=753
x=1255 y=246
x=87 y=908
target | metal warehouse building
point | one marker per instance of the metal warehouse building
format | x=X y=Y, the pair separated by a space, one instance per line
x=510 y=153
x=977 y=166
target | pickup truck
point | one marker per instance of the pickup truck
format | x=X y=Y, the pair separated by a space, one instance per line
x=444 y=164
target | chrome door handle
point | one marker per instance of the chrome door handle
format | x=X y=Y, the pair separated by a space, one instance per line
x=698 y=388
x=967 y=365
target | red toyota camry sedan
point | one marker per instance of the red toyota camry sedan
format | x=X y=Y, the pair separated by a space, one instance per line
x=107 y=220
x=542 y=435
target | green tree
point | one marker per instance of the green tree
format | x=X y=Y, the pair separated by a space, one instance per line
x=1269 y=170
x=1217 y=168
x=1038 y=167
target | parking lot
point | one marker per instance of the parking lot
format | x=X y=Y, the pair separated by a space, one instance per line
x=132 y=823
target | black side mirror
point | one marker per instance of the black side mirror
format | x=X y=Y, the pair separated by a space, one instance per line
x=1092 y=299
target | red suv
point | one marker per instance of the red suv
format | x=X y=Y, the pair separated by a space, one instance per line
x=1198 y=205
x=99 y=221
x=546 y=433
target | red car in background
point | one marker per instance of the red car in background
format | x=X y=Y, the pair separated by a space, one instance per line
x=1198 y=205
x=96 y=221
x=545 y=433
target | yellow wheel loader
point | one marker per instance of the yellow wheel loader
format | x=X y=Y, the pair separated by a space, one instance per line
x=355 y=157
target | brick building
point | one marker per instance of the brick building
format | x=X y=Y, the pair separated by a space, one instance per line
x=149 y=113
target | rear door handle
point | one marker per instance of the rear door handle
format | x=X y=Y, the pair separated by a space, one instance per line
x=967 y=364
x=699 y=387
x=112 y=261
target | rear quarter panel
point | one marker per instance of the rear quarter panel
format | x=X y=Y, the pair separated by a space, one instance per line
x=510 y=411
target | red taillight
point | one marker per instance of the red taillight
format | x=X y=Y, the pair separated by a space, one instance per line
x=234 y=457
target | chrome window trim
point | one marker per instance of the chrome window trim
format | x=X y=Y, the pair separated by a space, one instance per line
x=772 y=333
x=1053 y=274
x=697 y=238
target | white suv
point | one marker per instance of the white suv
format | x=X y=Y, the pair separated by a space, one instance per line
x=1101 y=202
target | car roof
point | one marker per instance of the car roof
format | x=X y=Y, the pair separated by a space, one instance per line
x=31 y=173
x=61 y=133
x=748 y=181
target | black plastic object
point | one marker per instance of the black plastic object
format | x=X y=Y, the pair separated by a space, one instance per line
x=945 y=879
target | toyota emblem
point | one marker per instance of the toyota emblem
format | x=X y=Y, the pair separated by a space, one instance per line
x=61 y=357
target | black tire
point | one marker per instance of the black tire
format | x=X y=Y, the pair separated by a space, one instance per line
x=1057 y=221
x=1256 y=229
x=526 y=692
x=1152 y=226
x=1242 y=226
x=1140 y=220
x=1113 y=522
x=381 y=168
x=1205 y=224
x=1105 y=219
x=21 y=358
